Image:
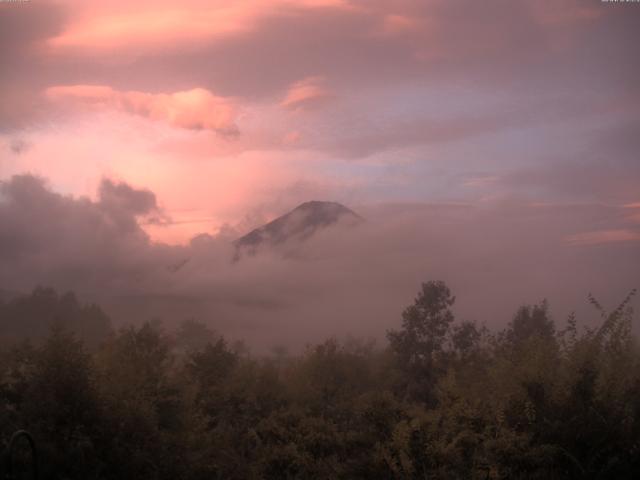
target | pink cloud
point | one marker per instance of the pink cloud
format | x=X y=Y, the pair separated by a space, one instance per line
x=144 y=24
x=195 y=109
x=602 y=237
x=291 y=138
x=481 y=181
x=394 y=24
x=635 y=212
x=307 y=93
x=564 y=13
x=201 y=181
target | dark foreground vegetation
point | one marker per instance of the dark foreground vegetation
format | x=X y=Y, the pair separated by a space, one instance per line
x=443 y=400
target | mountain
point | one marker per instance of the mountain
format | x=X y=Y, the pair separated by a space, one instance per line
x=299 y=224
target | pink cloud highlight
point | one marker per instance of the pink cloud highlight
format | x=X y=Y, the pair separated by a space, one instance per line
x=145 y=25
x=305 y=94
x=394 y=24
x=195 y=109
x=602 y=237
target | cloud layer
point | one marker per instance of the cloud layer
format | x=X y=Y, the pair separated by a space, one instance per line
x=340 y=282
x=195 y=109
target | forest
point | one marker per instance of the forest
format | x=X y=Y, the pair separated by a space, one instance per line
x=439 y=399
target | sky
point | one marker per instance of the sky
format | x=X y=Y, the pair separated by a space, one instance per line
x=503 y=135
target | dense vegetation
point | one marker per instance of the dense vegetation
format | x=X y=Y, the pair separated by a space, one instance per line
x=445 y=399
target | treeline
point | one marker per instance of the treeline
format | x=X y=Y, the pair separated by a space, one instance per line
x=32 y=317
x=443 y=400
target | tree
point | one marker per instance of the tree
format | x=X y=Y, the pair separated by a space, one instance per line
x=60 y=405
x=530 y=321
x=142 y=406
x=419 y=345
x=465 y=338
x=32 y=316
x=211 y=366
x=194 y=336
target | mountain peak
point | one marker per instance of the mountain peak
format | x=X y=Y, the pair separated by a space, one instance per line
x=323 y=211
x=298 y=224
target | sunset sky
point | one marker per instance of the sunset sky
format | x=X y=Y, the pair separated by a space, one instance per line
x=233 y=112
x=227 y=109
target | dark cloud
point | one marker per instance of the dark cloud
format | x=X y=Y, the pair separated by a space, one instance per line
x=24 y=27
x=500 y=45
x=582 y=180
x=73 y=242
x=120 y=196
x=19 y=146
x=504 y=44
x=124 y=204
x=606 y=167
x=355 y=135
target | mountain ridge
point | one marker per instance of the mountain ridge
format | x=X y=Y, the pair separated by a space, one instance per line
x=300 y=223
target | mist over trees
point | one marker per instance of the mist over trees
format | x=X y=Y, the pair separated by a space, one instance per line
x=33 y=317
x=339 y=281
x=444 y=398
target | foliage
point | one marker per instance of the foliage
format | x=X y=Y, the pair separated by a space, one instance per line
x=445 y=399
x=419 y=345
x=33 y=316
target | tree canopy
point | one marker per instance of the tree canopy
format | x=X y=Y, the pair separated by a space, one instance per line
x=444 y=399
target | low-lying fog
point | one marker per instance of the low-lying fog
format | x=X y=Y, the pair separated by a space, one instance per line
x=344 y=280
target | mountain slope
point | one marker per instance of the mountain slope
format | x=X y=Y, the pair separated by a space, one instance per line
x=299 y=224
